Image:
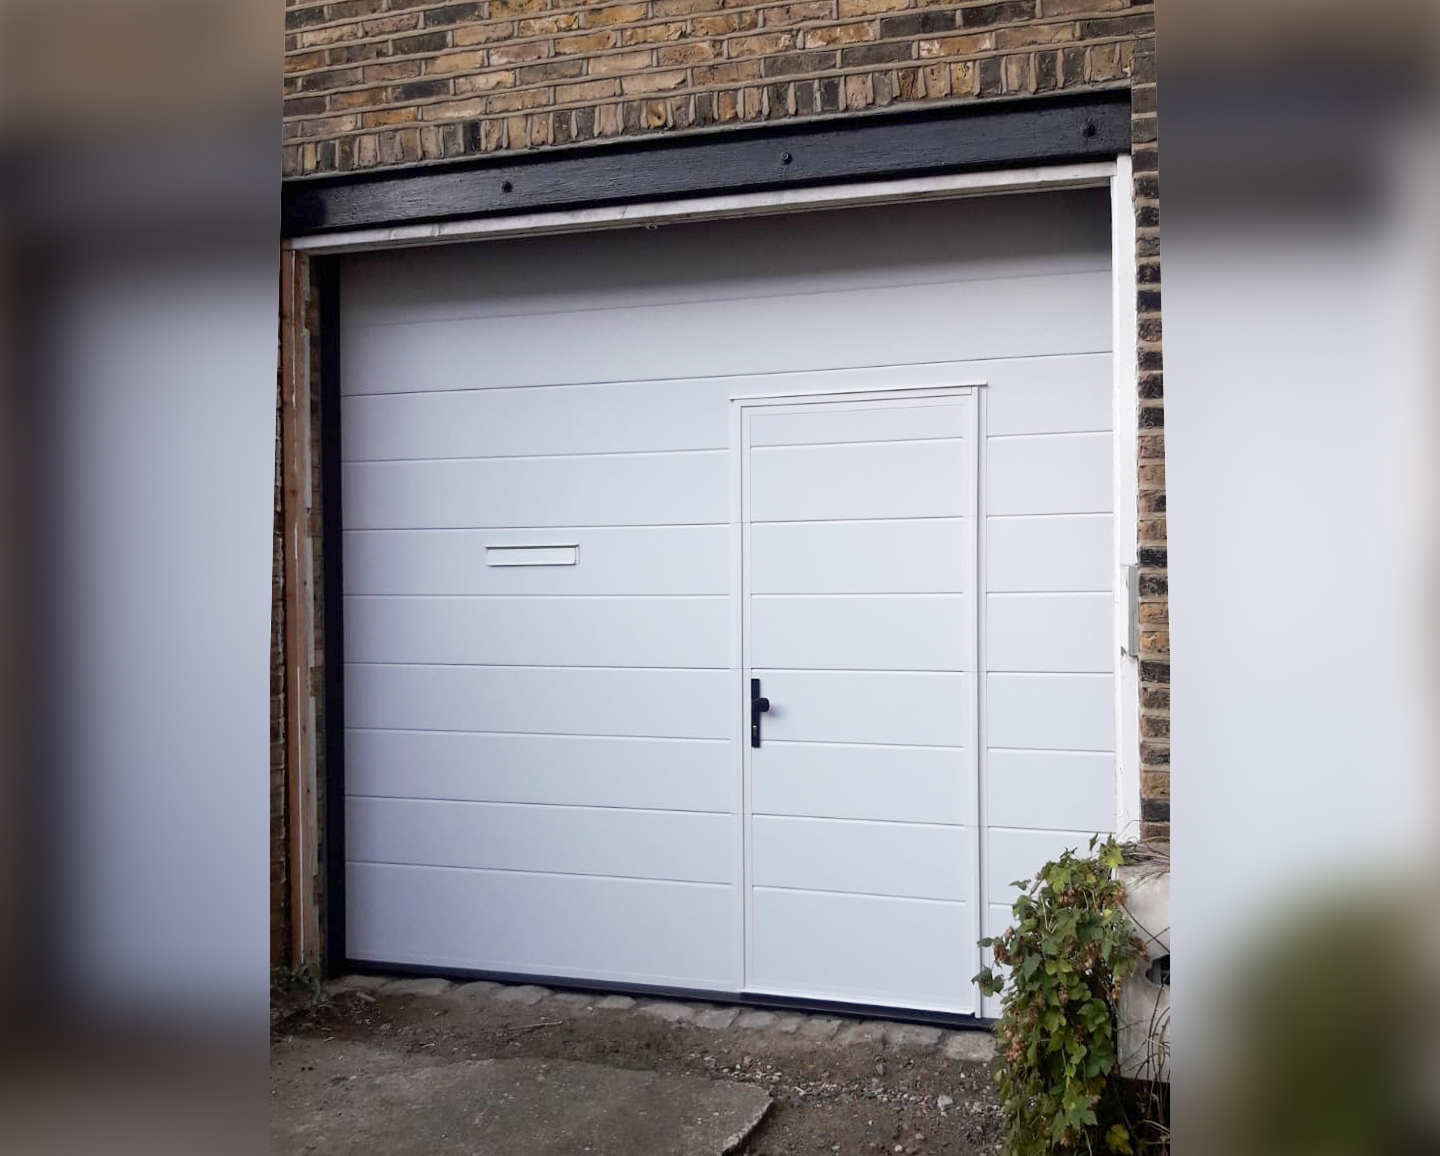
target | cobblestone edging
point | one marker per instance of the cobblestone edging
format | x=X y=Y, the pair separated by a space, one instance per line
x=972 y=1046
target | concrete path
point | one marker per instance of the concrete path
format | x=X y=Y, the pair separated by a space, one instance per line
x=426 y=1066
x=522 y=1107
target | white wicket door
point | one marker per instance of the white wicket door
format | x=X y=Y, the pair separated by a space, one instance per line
x=859 y=605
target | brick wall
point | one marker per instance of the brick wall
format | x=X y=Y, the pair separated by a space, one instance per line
x=397 y=82
x=1154 y=583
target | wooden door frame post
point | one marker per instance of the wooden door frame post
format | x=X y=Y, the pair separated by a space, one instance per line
x=297 y=499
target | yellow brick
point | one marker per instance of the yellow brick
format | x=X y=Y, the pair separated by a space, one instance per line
x=615 y=14
x=788 y=14
x=465 y=35
x=964 y=78
x=722 y=25
x=591 y=42
x=643 y=82
x=766 y=44
x=359 y=98
x=451 y=110
x=1028 y=35
x=1077 y=7
x=694 y=52
x=518 y=100
x=390 y=25
x=1155 y=784
x=663 y=8
x=386 y=116
x=587 y=90
x=728 y=72
x=957 y=45
x=338 y=34
x=870 y=7
x=456 y=62
x=304 y=62
x=654 y=34
x=1018 y=76
x=837 y=34
x=1105 y=62
x=394 y=70
x=518 y=53
x=547 y=25
x=859 y=92
x=620 y=62
x=484 y=81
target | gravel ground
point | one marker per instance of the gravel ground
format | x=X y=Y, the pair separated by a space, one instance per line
x=842 y=1086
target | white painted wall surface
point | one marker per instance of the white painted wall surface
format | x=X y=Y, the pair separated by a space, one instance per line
x=578 y=390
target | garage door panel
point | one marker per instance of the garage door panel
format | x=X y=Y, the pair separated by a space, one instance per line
x=909 y=956
x=917 y=557
x=1051 y=790
x=870 y=707
x=1075 y=396
x=627 y=490
x=548 y=769
x=585 y=419
x=862 y=423
x=1069 y=552
x=920 y=860
x=673 y=632
x=882 y=632
x=1050 y=474
x=635 y=931
x=531 y=700
x=839 y=781
x=1051 y=711
x=629 y=560
x=583 y=770
x=1025 y=317
x=1015 y=236
x=676 y=845
x=813 y=483
x=1057 y=633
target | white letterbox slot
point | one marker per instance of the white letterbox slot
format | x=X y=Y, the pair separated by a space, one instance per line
x=532 y=555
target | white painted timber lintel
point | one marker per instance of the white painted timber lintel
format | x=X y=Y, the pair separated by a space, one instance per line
x=655 y=213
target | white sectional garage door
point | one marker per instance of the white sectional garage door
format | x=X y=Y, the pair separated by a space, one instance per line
x=595 y=485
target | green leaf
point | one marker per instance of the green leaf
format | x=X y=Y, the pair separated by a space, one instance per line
x=1117 y=1139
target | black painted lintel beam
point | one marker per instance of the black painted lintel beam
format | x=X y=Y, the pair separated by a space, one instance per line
x=957 y=138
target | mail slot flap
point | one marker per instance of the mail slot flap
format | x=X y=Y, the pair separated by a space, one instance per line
x=532 y=555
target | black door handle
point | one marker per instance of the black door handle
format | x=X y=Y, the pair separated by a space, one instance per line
x=758 y=706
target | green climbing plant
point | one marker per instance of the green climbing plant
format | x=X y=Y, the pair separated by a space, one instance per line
x=1060 y=968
